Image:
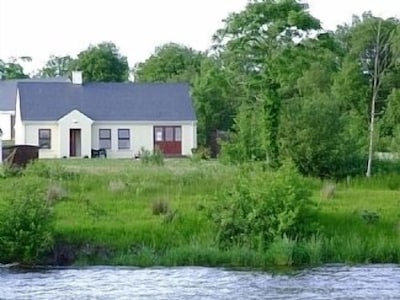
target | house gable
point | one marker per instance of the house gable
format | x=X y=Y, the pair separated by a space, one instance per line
x=75 y=119
x=68 y=126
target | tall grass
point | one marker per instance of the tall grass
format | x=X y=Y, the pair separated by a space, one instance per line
x=109 y=203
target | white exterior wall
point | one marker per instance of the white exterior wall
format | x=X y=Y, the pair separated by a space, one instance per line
x=32 y=138
x=5 y=124
x=60 y=131
x=189 y=138
x=75 y=120
x=142 y=136
x=19 y=126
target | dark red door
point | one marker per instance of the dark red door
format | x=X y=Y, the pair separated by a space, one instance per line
x=168 y=139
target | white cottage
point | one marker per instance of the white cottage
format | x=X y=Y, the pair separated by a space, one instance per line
x=72 y=119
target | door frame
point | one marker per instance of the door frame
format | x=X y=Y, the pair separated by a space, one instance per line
x=75 y=142
x=172 y=146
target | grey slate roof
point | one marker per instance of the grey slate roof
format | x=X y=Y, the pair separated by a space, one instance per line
x=107 y=101
x=8 y=90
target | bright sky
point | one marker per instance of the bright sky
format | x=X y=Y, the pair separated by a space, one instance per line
x=39 y=28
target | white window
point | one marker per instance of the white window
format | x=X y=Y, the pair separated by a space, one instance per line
x=159 y=134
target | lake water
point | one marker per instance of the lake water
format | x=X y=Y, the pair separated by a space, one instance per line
x=328 y=282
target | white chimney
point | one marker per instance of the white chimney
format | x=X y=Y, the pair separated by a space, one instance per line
x=77 y=77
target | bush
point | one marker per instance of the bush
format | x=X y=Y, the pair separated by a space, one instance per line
x=160 y=207
x=10 y=171
x=55 y=192
x=321 y=140
x=155 y=158
x=265 y=206
x=248 y=140
x=25 y=224
x=201 y=153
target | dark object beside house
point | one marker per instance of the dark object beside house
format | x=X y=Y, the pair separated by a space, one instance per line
x=99 y=153
x=20 y=155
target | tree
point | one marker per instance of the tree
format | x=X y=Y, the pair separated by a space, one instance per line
x=252 y=42
x=103 y=62
x=170 y=63
x=13 y=69
x=214 y=100
x=383 y=59
x=390 y=123
x=317 y=137
x=367 y=75
x=58 y=66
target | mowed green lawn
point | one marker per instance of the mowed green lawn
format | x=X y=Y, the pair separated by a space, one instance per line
x=114 y=203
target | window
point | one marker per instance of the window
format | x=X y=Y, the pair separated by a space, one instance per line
x=105 y=138
x=45 y=138
x=168 y=134
x=178 y=134
x=158 y=132
x=124 y=139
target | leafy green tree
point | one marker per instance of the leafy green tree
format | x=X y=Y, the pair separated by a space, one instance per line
x=367 y=75
x=319 y=139
x=390 y=123
x=252 y=41
x=103 y=62
x=248 y=138
x=170 y=63
x=12 y=69
x=214 y=98
x=58 y=66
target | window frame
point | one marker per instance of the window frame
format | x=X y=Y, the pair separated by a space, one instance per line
x=167 y=138
x=42 y=141
x=121 y=139
x=105 y=139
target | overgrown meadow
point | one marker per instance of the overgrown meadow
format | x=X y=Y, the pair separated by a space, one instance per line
x=125 y=212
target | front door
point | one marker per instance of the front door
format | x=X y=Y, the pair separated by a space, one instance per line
x=168 y=139
x=75 y=143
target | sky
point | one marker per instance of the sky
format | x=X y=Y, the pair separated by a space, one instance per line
x=40 y=28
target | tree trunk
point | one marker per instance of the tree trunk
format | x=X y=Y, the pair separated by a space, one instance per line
x=375 y=89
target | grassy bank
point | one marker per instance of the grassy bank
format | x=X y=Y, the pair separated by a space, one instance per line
x=122 y=212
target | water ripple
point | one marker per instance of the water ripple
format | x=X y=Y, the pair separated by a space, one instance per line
x=329 y=282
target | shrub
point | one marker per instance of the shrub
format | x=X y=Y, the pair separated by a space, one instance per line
x=10 y=171
x=321 y=140
x=25 y=224
x=248 y=140
x=39 y=169
x=55 y=192
x=264 y=206
x=155 y=158
x=160 y=207
x=144 y=155
x=201 y=153
x=280 y=252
